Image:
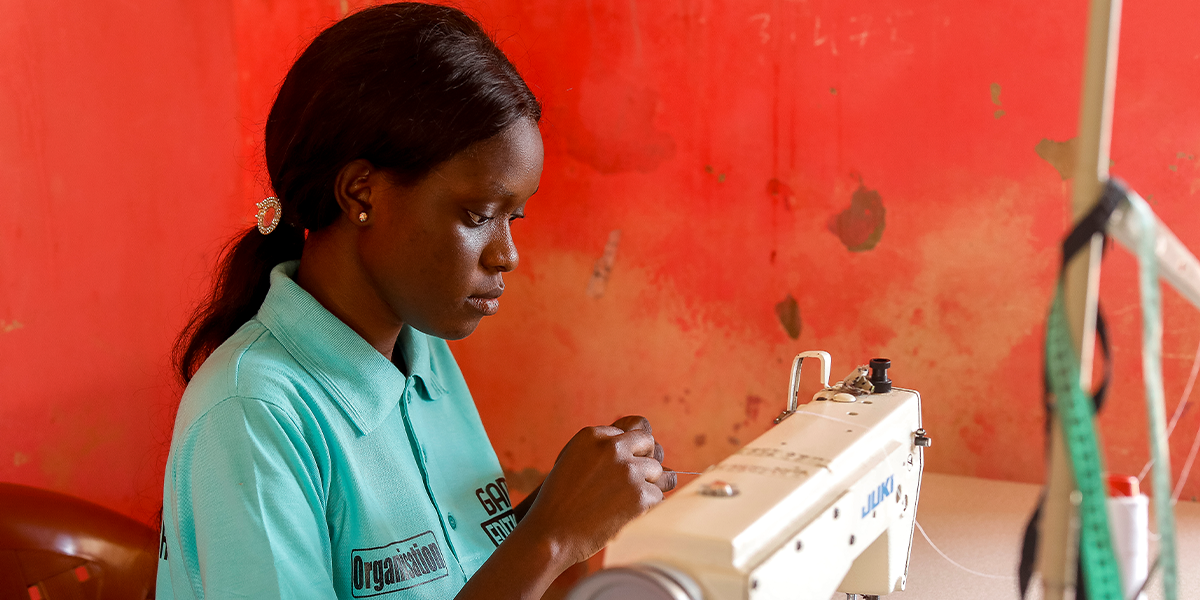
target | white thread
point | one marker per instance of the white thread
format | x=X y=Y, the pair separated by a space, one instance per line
x=955 y=563
x=1187 y=468
x=1187 y=393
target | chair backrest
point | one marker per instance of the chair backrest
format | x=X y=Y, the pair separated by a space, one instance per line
x=57 y=547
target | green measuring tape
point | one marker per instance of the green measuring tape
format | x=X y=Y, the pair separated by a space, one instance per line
x=1076 y=417
x=1076 y=412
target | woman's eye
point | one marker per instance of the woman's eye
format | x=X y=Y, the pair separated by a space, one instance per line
x=477 y=218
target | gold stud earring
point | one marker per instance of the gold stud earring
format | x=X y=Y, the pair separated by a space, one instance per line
x=362 y=217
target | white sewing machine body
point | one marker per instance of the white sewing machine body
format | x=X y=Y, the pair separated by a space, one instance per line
x=824 y=501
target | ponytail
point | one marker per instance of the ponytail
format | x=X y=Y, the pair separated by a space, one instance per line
x=243 y=278
x=404 y=86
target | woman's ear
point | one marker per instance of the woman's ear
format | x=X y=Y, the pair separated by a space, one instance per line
x=353 y=190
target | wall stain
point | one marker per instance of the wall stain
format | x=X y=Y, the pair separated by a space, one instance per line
x=753 y=403
x=788 y=312
x=20 y=458
x=733 y=441
x=524 y=481
x=10 y=326
x=604 y=265
x=711 y=171
x=782 y=191
x=700 y=440
x=1060 y=155
x=996 y=100
x=860 y=227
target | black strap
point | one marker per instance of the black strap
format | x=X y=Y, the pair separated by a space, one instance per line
x=1095 y=222
x=1029 y=545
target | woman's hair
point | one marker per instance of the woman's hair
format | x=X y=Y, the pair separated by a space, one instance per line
x=404 y=86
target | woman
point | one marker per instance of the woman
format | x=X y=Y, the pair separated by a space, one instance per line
x=327 y=445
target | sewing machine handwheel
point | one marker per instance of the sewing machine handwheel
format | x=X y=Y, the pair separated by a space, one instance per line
x=637 y=582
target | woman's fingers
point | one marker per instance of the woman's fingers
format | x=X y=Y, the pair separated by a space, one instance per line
x=633 y=422
x=637 y=443
x=651 y=472
x=639 y=423
x=666 y=481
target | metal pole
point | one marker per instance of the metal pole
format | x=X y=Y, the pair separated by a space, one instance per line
x=1082 y=284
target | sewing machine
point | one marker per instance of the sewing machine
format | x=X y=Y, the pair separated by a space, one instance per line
x=824 y=501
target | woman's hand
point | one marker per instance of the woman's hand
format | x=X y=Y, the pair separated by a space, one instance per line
x=604 y=477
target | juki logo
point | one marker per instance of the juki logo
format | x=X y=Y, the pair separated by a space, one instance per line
x=876 y=497
x=397 y=566
x=494 y=499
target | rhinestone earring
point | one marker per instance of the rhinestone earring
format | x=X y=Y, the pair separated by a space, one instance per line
x=362 y=217
x=269 y=211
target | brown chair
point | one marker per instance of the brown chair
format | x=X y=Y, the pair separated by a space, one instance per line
x=57 y=547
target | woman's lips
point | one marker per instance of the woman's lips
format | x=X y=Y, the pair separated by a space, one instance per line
x=487 y=306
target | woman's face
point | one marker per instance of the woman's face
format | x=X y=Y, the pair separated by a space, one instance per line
x=436 y=252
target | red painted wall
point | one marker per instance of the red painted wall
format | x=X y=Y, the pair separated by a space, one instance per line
x=881 y=164
x=878 y=163
x=117 y=180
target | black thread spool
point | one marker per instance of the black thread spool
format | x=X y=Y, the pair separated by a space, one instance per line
x=879 y=375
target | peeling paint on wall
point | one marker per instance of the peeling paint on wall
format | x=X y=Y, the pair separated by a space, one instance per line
x=860 y=227
x=789 y=316
x=604 y=265
x=1060 y=155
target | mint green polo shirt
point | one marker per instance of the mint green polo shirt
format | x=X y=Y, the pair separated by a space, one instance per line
x=304 y=464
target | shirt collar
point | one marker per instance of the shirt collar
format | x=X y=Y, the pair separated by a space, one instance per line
x=363 y=383
x=414 y=346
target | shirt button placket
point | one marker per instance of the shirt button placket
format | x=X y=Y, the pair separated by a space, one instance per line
x=407 y=399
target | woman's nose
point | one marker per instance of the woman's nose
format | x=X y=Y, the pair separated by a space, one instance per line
x=501 y=253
